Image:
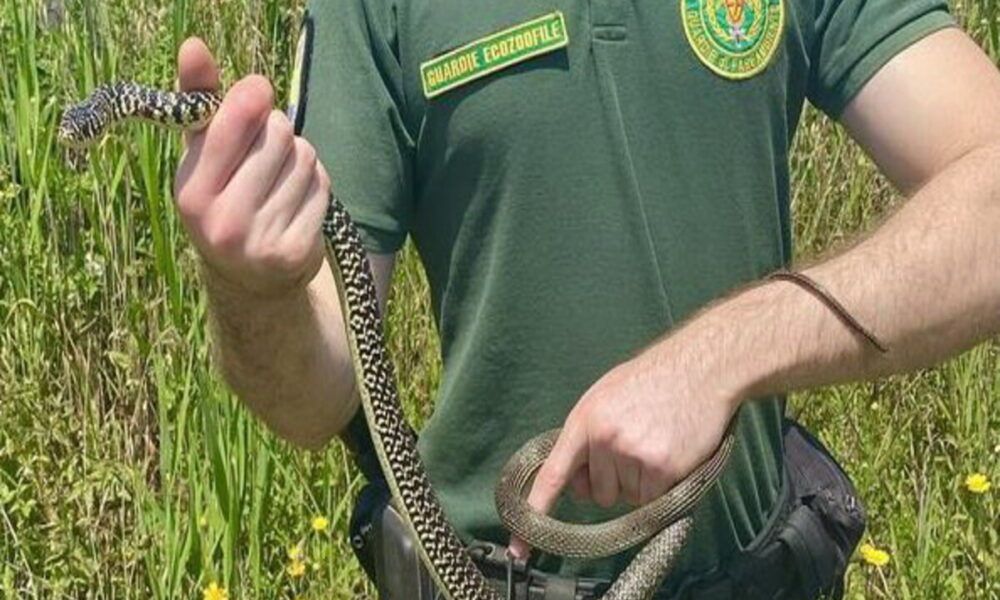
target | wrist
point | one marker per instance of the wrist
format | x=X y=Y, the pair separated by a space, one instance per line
x=738 y=347
x=224 y=290
x=768 y=321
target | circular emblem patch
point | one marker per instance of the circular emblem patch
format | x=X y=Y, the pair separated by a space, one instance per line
x=734 y=38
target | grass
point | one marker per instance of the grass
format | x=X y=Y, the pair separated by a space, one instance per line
x=127 y=470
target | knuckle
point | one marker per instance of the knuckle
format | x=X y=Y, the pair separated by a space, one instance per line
x=324 y=178
x=306 y=154
x=280 y=129
x=189 y=204
x=324 y=190
x=603 y=433
x=548 y=480
x=659 y=467
x=655 y=458
x=224 y=238
x=270 y=257
x=297 y=254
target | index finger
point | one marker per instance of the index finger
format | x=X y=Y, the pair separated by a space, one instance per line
x=568 y=454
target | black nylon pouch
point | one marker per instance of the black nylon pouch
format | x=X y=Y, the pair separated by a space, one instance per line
x=803 y=551
x=824 y=528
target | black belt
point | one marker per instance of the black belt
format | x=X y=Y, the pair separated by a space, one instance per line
x=515 y=582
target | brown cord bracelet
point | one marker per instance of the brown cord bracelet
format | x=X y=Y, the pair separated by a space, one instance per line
x=813 y=287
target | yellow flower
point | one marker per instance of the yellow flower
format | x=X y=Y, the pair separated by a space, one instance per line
x=296 y=568
x=873 y=555
x=320 y=523
x=977 y=483
x=214 y=592
x=295 y=553
x=203 y=521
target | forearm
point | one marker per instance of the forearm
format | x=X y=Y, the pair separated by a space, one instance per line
x=286 y=357
x=927 y=283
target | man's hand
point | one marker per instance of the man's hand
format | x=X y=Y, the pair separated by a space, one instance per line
x=642 y=427
x=251 y=194
x=252 y=197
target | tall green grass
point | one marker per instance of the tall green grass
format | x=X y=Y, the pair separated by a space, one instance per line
x=127 y=470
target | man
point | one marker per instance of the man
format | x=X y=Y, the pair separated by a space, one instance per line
x=579 y=180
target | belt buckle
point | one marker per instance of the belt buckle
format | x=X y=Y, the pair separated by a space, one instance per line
x=497 y=556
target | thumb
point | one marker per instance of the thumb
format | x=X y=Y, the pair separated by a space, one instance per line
x=196 y=69
x=568 y=454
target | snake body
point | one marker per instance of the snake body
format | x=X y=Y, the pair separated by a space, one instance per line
x=665 y=521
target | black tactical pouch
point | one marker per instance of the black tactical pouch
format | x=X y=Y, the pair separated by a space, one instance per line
x=828 y=519
x=383 y=545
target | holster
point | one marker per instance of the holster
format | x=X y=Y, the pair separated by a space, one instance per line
x=801 y=553
x=386 y=550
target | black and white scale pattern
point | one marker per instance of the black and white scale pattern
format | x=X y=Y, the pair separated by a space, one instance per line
x=396 y=443
x=86 y=122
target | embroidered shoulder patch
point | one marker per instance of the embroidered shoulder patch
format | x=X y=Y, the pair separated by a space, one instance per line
x=736 y=39
x=494 y=52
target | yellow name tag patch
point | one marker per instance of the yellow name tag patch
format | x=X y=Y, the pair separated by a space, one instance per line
x=496 y=51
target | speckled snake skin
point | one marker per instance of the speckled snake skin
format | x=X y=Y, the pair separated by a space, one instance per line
x=441 y=550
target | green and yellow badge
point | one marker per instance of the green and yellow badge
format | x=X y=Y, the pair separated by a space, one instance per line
x=734 y=38
x=494 y=52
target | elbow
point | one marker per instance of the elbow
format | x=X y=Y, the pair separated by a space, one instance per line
x=307 y=423
x=312 y=439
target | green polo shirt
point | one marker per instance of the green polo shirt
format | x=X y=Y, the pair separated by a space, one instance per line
x=572 y=207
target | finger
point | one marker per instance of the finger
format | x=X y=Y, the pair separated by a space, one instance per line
x=196 y=69
x=581 y=484
x=227 y=139
x=293 y=190
x=307 y=222
x=603 y=477
x=628 y=479
x=302 y=238
x=568 y=454
x=518 y=548
x=268 y=165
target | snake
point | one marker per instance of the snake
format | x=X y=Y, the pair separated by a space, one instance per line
x=664 y=524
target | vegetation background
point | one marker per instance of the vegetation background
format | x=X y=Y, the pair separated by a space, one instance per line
x=127 y=470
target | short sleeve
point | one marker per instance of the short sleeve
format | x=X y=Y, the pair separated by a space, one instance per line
x=350 y=98
x=856 y=38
